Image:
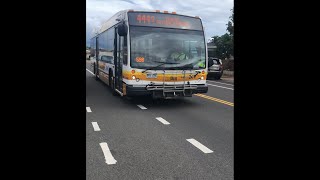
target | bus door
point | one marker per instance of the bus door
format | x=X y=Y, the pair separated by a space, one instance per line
x=118 y=60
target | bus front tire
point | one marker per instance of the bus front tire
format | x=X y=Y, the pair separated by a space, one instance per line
x=111 y=83
x=217 y=77
x=95 y=71
x=96 y=77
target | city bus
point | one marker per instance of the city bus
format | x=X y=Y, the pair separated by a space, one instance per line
x=162 y=54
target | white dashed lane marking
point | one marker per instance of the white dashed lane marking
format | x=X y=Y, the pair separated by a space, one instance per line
x=95 y=126
x=200 y=146
x=141 y=107
x=107 y=154
x=162 y=120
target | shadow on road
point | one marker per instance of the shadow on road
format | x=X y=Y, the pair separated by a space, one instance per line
x=160 y=103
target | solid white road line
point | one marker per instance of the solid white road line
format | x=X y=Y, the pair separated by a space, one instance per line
x=219 y=86
x=107 y=154
x=88 y=109
x=141 y=107
x=95 y=126
x=162 y=120
x=200 y=146
x=220 y=83
x=90 y=71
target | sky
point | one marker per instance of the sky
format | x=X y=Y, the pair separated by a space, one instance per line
x=214 y=13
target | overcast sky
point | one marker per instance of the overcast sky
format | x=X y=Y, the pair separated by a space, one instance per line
x=214 y=13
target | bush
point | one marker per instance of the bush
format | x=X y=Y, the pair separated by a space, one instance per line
x=228 y=64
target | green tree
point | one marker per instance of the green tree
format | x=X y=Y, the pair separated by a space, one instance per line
x=230 y=29
x=230 y=25
x=224 y=46
x=224 y=43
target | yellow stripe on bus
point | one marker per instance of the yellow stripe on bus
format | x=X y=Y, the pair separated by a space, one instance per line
x=168 y=77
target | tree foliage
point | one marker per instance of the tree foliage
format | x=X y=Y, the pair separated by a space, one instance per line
x=224 y=43
x=230 y=25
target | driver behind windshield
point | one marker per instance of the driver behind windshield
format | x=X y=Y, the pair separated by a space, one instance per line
x=178 y=54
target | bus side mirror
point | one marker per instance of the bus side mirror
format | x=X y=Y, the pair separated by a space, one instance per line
x=210 y=62
x=122 y=29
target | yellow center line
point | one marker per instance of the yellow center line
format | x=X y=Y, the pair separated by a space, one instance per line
x=215 y=99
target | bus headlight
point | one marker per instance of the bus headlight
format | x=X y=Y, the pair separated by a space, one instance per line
x=202 y=77
x=137 y=79
x=133 y=77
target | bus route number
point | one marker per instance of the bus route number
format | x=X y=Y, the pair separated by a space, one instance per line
x=146 y=19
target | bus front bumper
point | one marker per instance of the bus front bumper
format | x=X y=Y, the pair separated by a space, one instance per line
x=174 y=91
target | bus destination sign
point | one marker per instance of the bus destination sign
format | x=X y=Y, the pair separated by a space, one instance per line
x=164 y=20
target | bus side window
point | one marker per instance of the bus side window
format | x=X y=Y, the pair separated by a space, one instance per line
x=125 y=51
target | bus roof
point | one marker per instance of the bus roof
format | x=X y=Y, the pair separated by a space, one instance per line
x=155 y=11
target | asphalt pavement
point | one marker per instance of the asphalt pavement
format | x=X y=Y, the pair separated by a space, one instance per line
x=139 y=138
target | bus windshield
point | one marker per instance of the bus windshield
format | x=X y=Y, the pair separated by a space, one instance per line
x=174 y=48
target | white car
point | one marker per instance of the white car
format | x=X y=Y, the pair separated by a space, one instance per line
x=216 y=68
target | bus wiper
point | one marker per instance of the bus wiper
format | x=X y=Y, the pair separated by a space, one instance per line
x=162 y=63
x=186 y=67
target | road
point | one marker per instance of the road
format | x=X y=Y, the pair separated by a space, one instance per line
x=138 y=138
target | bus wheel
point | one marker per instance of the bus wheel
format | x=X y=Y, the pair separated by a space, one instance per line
x=95 y=71
x=111 y=83
x=217 y=77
